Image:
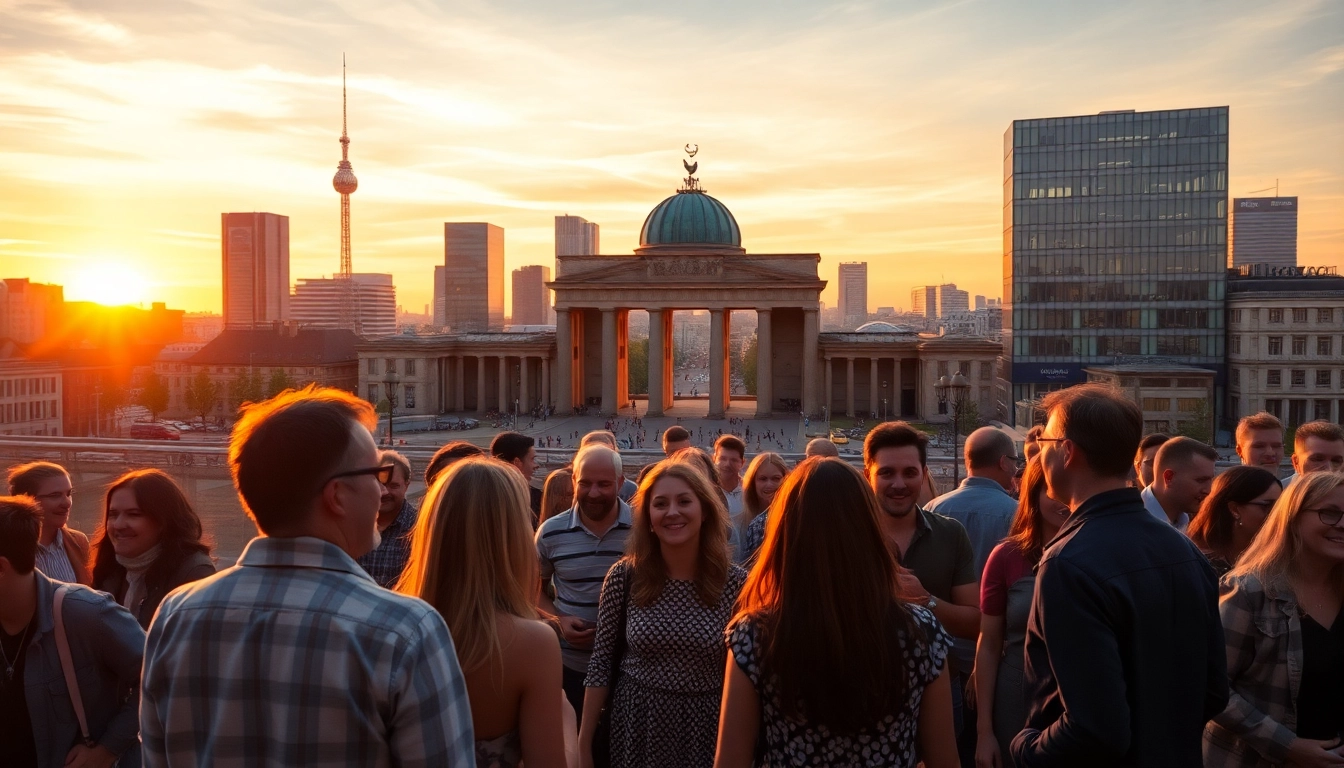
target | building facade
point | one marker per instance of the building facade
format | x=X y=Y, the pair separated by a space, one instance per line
x=576 y=236
x=1115 y=245
x=473 y=254
x=1285 y=340
x=1175 y=399
x=30 y=397
x=1264 y=231
x=316 y=303
x=924 y=301
x=29 y=310
x=951 y=299
x=256 y=269
x=852 y=283
x=531 y=297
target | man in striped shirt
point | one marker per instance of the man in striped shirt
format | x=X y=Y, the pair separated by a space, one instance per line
x=577 y=548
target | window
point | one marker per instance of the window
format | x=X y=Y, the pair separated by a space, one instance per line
x=1323 y=344
x=1157 y=404
x=410 y=367
x=1276 y=345
x=1236 y=345
x=373 y=366
x=1322 y=410
x=1274 y=378
x=1275 y=408
x=410 y=395
x=373 y=393
x=1299 y=345
x=1276 y=315
x=1236 y=315
x=1255 y=314
x=391 y=365
x=1325 y=315
x=984 y=371
x=1299 y=315
x=1323 y=379
x=1189 y=404
x=1299 y=380
x=1236 y=377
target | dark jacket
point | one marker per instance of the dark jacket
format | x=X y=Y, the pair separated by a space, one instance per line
x=1135 y=664
x=195 y=567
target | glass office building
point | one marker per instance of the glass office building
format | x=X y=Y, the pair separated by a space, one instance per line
x=1114 y=245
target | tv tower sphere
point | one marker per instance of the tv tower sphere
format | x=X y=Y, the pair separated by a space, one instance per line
x=344 y=181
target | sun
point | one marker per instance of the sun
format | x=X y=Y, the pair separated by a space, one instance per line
x=108 y=284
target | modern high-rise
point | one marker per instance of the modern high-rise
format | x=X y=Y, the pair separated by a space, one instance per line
x=473 y=260
x=255 y=248
x=575 y=236
x=317 y=303
x=531 y=297
x=1115 y=245
x=979 y=302
x=951 y=299
x=1264 y=231
x=924 y=301
x=853 y=286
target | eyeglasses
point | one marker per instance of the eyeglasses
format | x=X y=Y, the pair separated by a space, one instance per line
x=1051 y=439
x=1328 y=516
x=383 y=473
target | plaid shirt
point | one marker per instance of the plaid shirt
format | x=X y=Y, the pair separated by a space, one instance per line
x=295 y=657
x=1264 y=668
x=386 y=561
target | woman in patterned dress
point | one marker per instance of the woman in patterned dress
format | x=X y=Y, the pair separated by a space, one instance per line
x=675 y=589
x=826 y=666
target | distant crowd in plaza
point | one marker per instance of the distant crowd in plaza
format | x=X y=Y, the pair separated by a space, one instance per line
x=1105 y=598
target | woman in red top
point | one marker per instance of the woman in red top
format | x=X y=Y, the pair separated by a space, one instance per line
x=1006 y=590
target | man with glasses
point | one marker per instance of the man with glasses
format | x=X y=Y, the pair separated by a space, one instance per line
x=396 y=521
x=295 y=656
x=1125 y=660
x=62 y=551
x=1145 y=461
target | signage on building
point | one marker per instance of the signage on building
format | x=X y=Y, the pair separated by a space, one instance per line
x=1267 y=204
x=1025 y=373
x=1284 y=270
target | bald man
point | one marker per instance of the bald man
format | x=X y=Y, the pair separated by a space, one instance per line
x=821 y=446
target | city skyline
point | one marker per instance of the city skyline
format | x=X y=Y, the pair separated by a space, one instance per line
x=863 y=134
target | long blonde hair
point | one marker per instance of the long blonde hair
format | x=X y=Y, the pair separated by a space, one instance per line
x=751 y=500
x=472 y=555
x=644 y=551
x=1274 y=549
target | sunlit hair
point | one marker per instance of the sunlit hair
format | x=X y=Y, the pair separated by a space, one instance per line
x=1213 y=526
x=697 y=458
x=1274 y=550
x=1028 y=529
x=1319 y=429
x=25 y=479
x=472 y=555
x=751 y=500
x=644 y=550
x=1257 y=422
x=823 y=592
x=557 y=495
x=160 y=499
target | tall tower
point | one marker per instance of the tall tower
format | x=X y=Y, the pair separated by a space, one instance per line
x=345 y=184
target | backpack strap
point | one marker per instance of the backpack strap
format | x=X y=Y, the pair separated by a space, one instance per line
x=68 y=666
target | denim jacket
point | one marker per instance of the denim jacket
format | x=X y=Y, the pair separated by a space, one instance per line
x=106 y=646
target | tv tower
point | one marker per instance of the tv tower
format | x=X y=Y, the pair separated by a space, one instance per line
x=345 y=184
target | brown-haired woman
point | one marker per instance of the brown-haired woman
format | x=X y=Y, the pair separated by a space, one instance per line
x=1282 y=618
x=675 y=591
x=150 y=542
x=827 y=666
x=1006 y=590
x=1232 y=514
x=557 y=493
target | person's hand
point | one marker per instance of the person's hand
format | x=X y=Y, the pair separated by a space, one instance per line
x=1310 y=753
x=968 y=698
x=96 y=756
x=577 y=633
x=910 y=587
x=987 y=752
x=585 y=753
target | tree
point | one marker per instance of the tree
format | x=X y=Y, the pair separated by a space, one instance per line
x=114 y=398
x=278 y=382
x=637 y=366
x=1198 y=424
x=201 y=394
x=749 y=367
x=154 y=396
x=246 y=388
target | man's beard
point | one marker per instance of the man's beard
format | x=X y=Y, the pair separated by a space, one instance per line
x=594 y=510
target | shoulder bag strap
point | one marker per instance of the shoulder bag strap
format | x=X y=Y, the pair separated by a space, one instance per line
x=68 y=665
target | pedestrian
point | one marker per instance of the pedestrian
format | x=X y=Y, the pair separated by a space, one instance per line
x=1260 y=441
x=520 y=451
x=1183 y=473
x=557 y=494
x=150 y=543
x=446 y=455
x=1006 y=591
x=1124 y=649
x=762 y=481
x=658 y=658
x=1232 y=514
x=295 y=656
x=826 y=666
x=62 y=551
x=1146 y=459
x=473 y=560
x=1318 y=446
x=1281 y=610
x=729 y=453
x=41 y=725
x=396 y=521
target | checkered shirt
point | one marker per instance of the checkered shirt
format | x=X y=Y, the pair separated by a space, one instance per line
x=295 y=657
x=386 y=562
x=1263 y=628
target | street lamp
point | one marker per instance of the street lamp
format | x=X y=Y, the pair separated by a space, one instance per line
x=952 y=395
x=884 y=401
x=390 y=379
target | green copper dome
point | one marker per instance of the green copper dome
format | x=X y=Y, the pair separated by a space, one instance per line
x=690 y=217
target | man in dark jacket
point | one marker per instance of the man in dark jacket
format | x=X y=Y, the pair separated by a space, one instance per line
x=1125 y=658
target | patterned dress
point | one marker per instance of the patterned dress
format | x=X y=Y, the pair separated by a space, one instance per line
x=665 y=707
x=889 y=742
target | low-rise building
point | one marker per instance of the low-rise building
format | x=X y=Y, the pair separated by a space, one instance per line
x=30 y=397
x=1176 y=399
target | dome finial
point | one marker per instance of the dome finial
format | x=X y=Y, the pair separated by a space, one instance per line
x=690 y=183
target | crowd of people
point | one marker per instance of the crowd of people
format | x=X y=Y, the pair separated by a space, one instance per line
x=1106 y=598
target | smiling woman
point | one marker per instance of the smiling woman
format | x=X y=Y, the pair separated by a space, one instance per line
x=109 y=284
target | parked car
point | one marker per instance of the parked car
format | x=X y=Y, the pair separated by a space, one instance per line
x=142 y=431
x=838 y=437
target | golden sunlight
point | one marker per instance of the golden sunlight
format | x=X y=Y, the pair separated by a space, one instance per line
x=109 y=284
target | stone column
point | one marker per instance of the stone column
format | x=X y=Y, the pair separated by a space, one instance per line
x=895 y=404
x=765 y=381
x=874 y=395
x=459 y=383
x=480 y=384
x=656 y=359
x=718 y=363
x=830 y=389
x=564 y=357
x=505 y=404
x=810 y=404
x=524 y=386
x=545 y=381
x=849 y=387
x=609 y=404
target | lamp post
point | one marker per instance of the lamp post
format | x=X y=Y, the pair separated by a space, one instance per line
x=390 y=379
x=884 y=401
x=952 y=395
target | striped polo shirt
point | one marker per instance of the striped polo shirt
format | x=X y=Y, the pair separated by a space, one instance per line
x=576 y=561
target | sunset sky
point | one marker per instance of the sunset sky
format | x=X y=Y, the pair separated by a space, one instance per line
x=865 y=131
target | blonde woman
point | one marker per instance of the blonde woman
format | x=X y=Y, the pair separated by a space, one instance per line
x=1285 y=636
x=474 y=561
x=762 y=480
x=557 y=494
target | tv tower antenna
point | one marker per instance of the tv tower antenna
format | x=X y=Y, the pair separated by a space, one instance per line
x=345 y=184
